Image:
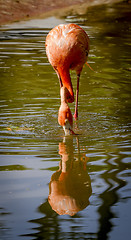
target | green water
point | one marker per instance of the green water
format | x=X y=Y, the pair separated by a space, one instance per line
x=94 y=167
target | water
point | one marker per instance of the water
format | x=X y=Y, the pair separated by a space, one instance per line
x=37 y=162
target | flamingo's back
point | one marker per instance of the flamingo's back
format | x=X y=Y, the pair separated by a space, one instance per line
x=67 y=47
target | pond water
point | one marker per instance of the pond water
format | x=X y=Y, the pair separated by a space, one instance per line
x=44 y=174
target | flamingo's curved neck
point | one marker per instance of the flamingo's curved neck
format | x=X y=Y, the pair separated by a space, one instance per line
x=66 y=80
x=63 y=94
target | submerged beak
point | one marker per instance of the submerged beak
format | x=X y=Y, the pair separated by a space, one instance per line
x=68 y=131
x=68 y=128
x=72 y=132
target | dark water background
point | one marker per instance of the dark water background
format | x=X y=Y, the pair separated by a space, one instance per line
x=33 y=146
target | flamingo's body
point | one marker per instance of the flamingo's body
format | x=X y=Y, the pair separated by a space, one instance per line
x=65 y=118
x=67 y=47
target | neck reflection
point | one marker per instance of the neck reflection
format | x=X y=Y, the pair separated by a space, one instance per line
x=70 y=186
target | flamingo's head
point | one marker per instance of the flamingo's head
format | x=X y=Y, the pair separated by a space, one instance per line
x=65 y=118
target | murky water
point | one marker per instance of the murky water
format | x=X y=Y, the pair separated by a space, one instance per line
x=43 y=173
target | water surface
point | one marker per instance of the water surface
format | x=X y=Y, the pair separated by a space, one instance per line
x=92 y=169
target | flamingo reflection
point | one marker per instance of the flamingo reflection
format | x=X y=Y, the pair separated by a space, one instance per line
x=70 y=186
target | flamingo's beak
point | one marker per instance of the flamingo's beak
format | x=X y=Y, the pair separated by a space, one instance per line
x=68 y=128
x=72 y=132
x=68 y=131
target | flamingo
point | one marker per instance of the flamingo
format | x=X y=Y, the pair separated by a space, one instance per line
x=67 y=47
x=65 y=118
